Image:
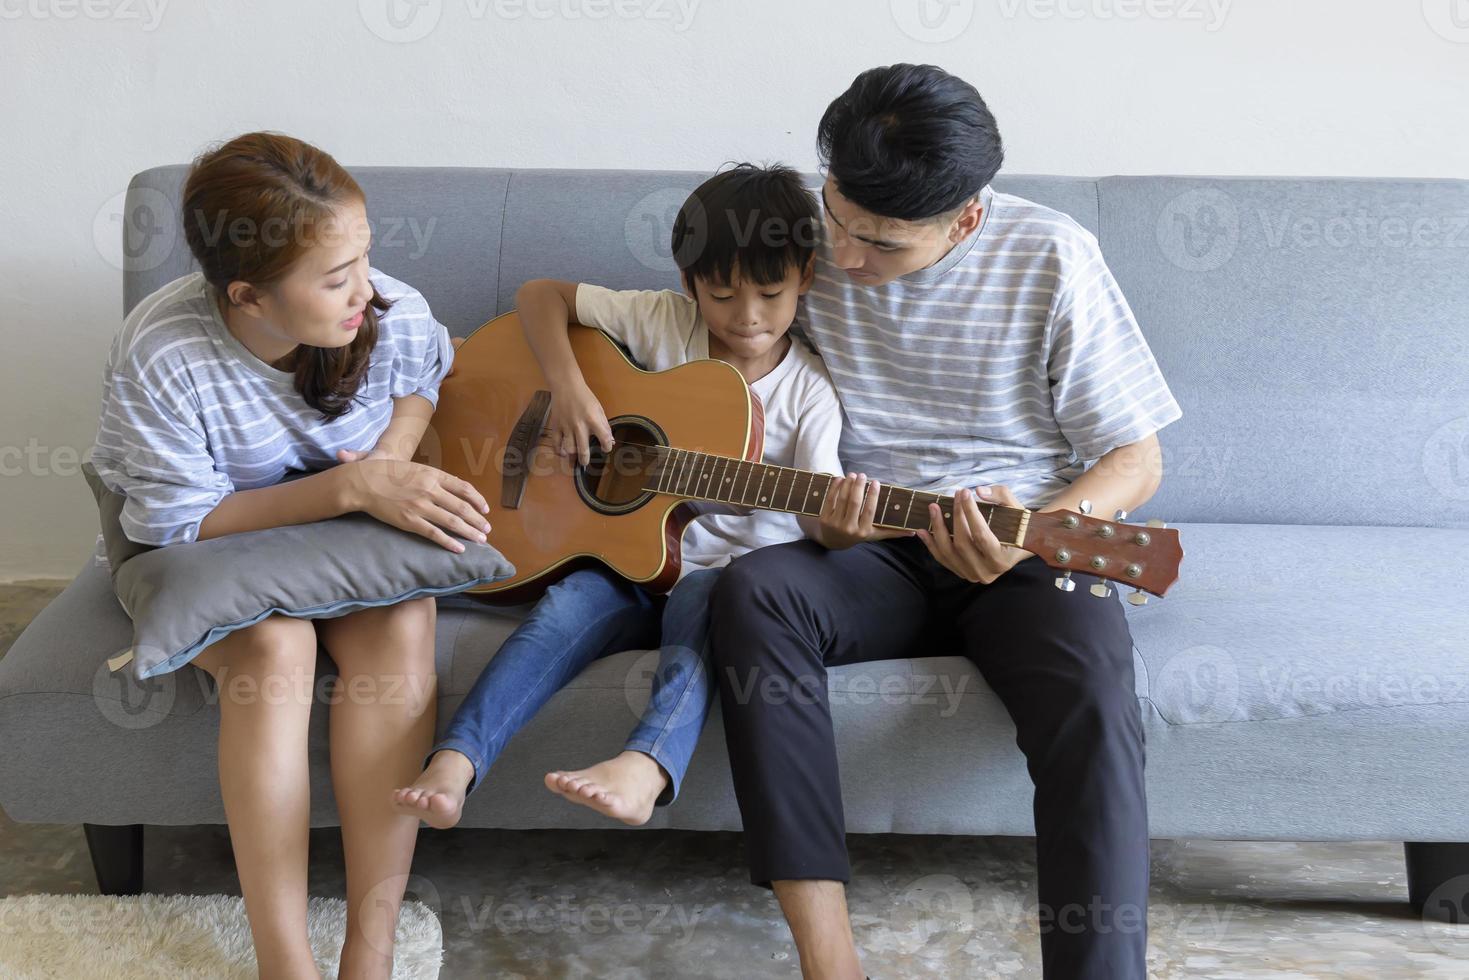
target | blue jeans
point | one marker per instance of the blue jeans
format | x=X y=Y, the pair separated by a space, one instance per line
x=588 y=615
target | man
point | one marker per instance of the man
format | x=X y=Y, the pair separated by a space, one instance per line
x=977 y=340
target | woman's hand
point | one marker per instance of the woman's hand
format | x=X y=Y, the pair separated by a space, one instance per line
x=972 y=551
x=576 y=418
x=417 y=498
x=848 y=512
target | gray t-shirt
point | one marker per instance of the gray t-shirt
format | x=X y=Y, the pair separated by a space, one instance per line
x=189 y=415
x=1014 y=360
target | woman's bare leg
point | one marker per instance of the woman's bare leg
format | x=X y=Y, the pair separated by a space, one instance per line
x=382 y=725
x=265 y=676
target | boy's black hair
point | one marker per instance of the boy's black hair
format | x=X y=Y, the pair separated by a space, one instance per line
x=909 y=141
x=761 y=221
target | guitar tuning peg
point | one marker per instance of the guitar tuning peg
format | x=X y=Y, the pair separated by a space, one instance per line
x=1101 y=591
x=1157 y=523
x=1138 y=598
x=1065 y=584
x=1120 y=516
x=1085 y=507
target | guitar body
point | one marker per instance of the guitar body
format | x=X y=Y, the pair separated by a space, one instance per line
x=550 y=516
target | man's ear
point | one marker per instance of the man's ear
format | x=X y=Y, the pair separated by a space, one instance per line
x=966 y=220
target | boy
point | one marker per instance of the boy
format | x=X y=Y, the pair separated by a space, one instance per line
x=744 y=243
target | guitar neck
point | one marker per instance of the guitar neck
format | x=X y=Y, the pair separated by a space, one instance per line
x=765 y=486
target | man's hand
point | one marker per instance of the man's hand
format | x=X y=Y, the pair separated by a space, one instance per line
x=848 y=512
x=972 y=551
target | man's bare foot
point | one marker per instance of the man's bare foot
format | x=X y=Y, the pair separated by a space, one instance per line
x=623 y=788
x=437 y=796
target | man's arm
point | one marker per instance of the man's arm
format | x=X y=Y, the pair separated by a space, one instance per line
x=1123 y=479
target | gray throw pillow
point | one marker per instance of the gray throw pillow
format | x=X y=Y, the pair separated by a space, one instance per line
x=184 y=597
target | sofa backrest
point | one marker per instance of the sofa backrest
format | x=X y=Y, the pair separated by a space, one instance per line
x=1315 y=331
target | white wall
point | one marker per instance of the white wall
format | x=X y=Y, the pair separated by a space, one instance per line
x=95 y=90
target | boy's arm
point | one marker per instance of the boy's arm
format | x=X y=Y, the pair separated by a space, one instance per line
x=547 y=307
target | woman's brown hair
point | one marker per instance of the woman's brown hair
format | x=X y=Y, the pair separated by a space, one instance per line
x=251 y=208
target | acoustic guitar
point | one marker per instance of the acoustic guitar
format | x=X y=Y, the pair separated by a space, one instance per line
x=692 y=433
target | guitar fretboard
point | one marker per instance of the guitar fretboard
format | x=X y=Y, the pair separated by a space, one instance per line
x=701 y=476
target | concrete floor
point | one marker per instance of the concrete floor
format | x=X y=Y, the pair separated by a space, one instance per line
x=586 y=904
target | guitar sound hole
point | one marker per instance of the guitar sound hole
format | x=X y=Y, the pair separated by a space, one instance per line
x=614 y=482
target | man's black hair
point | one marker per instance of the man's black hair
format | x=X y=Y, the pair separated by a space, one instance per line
x=909 y=141
x=761 y=221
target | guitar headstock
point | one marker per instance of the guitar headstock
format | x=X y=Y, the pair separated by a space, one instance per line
x=1145 y=556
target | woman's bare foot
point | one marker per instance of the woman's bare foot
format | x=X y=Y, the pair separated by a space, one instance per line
x=623 y=788
x=437 y=796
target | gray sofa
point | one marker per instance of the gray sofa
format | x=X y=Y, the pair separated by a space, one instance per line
x=1307 y=679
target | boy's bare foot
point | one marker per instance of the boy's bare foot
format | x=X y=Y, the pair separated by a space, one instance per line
x=437 y=796
x=623 y=788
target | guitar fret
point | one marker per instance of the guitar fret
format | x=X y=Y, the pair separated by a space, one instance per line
x=696 y=478
x=721 y=481
x=770 y=486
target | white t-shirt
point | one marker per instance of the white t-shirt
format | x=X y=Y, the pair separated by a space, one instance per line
x=803 y=419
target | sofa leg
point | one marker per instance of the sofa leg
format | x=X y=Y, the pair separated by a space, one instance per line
x=1438 y=880
x=117 y=857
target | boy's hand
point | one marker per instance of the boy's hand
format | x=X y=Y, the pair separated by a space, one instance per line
x=848 y=512
x=577 y=418
x=972 y=551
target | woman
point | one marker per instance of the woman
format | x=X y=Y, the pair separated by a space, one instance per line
x=288 y=352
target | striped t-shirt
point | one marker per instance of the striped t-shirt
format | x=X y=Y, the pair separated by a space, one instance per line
x=189 y=415
x=1013 y=360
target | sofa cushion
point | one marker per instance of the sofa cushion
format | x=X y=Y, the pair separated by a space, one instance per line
x=1273 y=621
x=184 y=597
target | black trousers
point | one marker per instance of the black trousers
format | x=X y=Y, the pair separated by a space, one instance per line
x=1060 y=662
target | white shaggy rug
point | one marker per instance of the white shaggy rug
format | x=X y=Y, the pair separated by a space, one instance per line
x=98 y=937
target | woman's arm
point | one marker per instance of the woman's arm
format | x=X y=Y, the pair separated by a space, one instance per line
x=400 y=439
x=313 y=498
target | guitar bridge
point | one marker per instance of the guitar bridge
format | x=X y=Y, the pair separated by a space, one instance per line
x=518 y=451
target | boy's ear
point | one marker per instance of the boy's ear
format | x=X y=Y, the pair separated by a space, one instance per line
x=808 y=274
x=688 y=284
